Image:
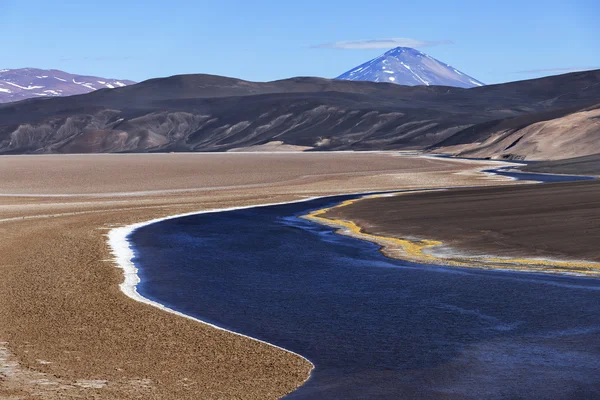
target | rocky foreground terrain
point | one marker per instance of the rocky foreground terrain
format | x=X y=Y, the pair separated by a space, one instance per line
x=549 y=118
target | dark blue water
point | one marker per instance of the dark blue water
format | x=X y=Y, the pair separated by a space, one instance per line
x=532 y=176
x=375 y=327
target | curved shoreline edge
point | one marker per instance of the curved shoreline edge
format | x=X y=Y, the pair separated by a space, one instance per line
x=422 y=251
x=122 y=251
x=123 y=255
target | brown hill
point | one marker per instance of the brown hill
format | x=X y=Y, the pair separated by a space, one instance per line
x=537 y=136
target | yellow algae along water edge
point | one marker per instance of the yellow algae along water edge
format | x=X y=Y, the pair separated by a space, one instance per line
x=422 y=251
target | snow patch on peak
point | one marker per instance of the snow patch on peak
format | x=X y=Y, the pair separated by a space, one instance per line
x=409 y=67
x=24 y=87
x=24 y=83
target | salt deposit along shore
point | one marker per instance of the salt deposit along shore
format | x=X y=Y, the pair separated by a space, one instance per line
x=405 y=246
x=549 y=228
x=66 y=328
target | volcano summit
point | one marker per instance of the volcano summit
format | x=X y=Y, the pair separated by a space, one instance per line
x=406 y=66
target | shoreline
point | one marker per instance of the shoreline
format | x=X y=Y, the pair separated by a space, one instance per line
x=64 y=306
x=123 y=253
x=423 y=251
x=428 y=247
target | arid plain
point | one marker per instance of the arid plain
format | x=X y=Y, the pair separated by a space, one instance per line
x=66 y=329
x=540 y=228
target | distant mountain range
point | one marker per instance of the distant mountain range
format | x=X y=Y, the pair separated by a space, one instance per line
x=548 y=118
x=25 y=83
x=406 y=66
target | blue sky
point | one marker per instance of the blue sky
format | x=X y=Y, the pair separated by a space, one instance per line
x=493 y=41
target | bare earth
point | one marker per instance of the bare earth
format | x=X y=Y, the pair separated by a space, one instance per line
x=551 y=227
x=67 y=331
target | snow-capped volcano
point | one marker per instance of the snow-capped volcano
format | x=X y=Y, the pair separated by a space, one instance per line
x=24 y=83
x=406 y=66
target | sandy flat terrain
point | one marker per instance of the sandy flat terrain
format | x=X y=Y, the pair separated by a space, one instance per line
x=588 y=165
x=67 y=331
x=557 y=222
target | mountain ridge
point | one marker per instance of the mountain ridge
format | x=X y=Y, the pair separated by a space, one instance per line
x=212 y=113
x=24 y=83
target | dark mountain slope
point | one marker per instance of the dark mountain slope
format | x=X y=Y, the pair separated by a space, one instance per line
x=211 y=113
